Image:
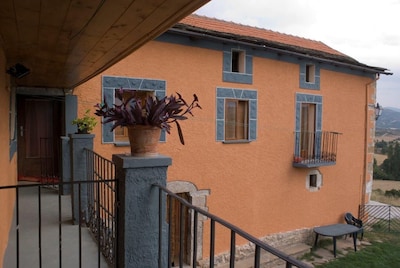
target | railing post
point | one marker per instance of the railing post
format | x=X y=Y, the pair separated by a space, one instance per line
x=65 y=166
x=78 y=143
x=389 y=216
x=138 y=214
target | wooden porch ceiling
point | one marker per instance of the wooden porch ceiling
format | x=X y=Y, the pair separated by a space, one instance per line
x=66 y=42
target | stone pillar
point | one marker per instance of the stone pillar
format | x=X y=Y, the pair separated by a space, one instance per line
x=138 y=213
x=78 y=143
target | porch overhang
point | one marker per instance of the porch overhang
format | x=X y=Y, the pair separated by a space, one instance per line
x=65 y=43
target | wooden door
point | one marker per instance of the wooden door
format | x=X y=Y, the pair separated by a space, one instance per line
x=177 y=217
x=39 y=122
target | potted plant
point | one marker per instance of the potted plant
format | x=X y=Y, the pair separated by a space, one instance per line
x=86 y=123
x=146 y=115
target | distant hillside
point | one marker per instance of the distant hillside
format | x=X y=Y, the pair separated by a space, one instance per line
x=390 y=119
x=393 y=108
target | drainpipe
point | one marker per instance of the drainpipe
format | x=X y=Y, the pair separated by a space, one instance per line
x=367 y=130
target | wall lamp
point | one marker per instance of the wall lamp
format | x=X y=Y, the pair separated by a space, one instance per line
x=378 y=111
x=18 y=70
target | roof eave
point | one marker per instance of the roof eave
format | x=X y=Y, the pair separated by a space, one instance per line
x=320 y=56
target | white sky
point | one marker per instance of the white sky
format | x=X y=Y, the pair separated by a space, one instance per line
x=366 y=30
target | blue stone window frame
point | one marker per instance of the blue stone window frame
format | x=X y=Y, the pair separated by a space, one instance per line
x=315 y=83
x=313 y=99
x=239 y=94
x=110 y=83
x=245 y=77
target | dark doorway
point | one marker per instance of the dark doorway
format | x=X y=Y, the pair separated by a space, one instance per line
x=39 y=121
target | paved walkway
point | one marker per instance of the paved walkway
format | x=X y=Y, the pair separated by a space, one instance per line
x=29 y=250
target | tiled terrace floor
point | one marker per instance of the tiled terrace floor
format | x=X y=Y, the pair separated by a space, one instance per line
x=29 y=253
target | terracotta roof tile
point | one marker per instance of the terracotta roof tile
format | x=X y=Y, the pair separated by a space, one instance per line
x=222 y=26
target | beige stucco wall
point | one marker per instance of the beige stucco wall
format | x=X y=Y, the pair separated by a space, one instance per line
x=7 y=167
x=253 y=185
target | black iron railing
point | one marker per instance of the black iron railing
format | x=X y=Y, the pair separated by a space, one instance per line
x=380 y=218
x=313 y=149
x=49 y=173
x=214 y=221
x=42 y=233
x=101 y=203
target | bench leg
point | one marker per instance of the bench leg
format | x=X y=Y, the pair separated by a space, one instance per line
x=316 y=241
x=355 y=241
x=334 y=246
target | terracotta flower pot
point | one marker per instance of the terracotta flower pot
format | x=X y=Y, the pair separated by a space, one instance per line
x=144 y=140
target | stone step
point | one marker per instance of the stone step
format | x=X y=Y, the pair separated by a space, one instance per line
x=268 y=260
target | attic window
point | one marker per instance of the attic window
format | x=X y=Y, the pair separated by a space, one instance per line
x=310 y=73
x=238 y=60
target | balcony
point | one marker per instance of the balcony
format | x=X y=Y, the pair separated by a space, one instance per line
x=315 y=149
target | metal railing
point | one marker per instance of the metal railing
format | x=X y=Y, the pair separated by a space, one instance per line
x=313 y=149
x=42 y=233
x=102 y=203
x=380 y=218
x=49 y=174
x=214 y=220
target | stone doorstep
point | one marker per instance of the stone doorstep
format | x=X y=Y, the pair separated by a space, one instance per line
x=269 y=260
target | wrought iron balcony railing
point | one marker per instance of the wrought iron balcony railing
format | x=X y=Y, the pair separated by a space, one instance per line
x=315 y=149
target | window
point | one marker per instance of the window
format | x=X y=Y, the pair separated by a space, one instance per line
x=236 y=119
x=109 y=84
x=238 y=61
x=314 y=180
x=308 y=125
x=310 y=73
x=121 y=133
x=237 y=65
x=309 y=76
x=313 y=147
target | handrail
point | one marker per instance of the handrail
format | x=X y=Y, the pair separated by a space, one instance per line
x=235 y=230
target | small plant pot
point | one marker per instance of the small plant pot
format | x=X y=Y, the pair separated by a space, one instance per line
x=83 y=131
x=144 y=140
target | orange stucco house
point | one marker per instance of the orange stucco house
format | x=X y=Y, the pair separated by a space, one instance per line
x=46 y=50
x=284 y=141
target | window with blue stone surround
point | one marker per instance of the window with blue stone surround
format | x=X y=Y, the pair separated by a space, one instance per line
x=316 y=101
x=227 y=94
x=110 y=83
x=309 y=75
x=237 y=65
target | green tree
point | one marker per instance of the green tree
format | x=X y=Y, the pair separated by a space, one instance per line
x=382 y=146
x=391 y=165
x=379 y=174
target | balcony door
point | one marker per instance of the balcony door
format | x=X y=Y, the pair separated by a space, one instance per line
x=39 y=130
x=308 y=130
